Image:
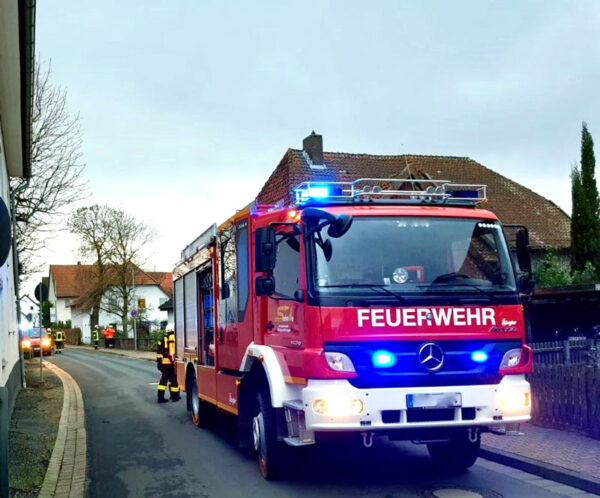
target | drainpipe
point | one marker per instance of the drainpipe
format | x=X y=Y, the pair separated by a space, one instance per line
x=13 y=194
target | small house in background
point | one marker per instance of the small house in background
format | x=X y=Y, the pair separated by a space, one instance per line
x=549 y=226
x=168 y=307
x=71 y=287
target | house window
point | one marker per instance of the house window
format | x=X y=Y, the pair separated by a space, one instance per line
x=67 y=302
x=141 y=304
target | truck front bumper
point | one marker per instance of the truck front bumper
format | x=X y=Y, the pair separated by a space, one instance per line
x=335 y=405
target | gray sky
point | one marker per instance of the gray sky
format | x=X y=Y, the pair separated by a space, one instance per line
x=187 y=106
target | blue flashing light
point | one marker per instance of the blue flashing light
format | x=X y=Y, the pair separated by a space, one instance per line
x=383 y=359
x=479 y=356
x=464 y=194
x=321 y=192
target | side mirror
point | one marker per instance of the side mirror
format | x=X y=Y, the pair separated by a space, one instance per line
x=340 y=226
x=327 y=250
x=225 y=291
x=264 y=257
x=5 y=234
x=264 y=286
x=526 y=284
x=523 y=256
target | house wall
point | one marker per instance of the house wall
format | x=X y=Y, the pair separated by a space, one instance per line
x=9 y=333
x=154 y=297
x=81 y=319
x=60 y=312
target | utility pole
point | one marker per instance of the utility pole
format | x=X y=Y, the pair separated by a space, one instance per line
x=134 y=317
x=41 y=293
x=41 y=347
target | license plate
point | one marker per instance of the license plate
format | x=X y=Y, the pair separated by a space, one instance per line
x=439 y=400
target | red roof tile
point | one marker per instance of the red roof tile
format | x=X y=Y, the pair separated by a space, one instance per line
x=76 y=280
x=513 y=203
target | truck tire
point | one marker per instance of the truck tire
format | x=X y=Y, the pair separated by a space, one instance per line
x=198 y=409
x=271 y=453
x=459 y=453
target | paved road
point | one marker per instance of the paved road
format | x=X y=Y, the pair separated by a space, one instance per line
x=139 y=448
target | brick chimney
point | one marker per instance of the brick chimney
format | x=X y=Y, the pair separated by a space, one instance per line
x=312 y=147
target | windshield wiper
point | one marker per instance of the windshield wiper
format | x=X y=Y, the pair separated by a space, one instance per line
x=493 y=298
x=375 y=287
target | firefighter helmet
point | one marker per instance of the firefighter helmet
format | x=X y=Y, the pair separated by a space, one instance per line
x=170 y=328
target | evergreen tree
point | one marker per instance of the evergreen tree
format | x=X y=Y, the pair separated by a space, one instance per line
x=585 y=220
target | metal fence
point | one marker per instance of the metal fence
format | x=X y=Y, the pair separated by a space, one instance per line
x=571 y=352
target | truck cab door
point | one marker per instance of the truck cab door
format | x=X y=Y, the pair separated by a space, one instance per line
x=282 y=314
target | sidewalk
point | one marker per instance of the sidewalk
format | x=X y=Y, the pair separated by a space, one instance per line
x=66 y=474
x=553 y=451
x=142 y=355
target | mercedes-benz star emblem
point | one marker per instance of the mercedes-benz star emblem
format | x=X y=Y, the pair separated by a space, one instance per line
x=431 y=356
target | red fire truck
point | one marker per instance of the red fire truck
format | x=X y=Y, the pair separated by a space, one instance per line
x=379 y=307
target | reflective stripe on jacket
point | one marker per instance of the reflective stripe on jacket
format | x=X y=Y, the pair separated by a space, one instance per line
x=165 y=349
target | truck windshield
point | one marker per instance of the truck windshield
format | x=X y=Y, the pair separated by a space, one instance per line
x=416 y=255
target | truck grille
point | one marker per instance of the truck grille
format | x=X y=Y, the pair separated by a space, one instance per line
x=458 y=369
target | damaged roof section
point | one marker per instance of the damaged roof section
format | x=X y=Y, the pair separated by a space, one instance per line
x=549 y=226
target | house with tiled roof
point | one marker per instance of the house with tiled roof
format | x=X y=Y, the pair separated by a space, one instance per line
x=71 y=288
x=549 y=226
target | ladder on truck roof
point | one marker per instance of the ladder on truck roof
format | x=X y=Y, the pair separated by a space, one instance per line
x=391 y=190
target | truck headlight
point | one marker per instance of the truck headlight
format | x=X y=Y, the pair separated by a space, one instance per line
x=45 y=342
x=338 y=407
x=511 y=358
x=26 y=343
x=339 y=362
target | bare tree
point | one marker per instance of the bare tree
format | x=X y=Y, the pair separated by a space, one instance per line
x=91 y=225
x=117 y=244
x=43 y=201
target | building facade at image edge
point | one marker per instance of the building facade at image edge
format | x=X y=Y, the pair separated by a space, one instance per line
x=17 y=25
x=549 y=226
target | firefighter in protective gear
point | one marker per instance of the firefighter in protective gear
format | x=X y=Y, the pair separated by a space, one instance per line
x=59 y=340
x=165 y=360
x=109 y=337
x=96 y=336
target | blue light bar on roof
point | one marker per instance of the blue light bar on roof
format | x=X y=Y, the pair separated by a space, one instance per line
x=317 y=192
x=463 y=194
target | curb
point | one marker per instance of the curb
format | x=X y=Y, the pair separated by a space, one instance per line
x=66 y=473
x=114 y=352
x=542 y=469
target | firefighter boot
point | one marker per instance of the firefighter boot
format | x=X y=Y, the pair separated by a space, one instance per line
x=161 y=395
x=175 y=396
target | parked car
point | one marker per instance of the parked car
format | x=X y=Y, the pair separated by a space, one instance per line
x=31 y=341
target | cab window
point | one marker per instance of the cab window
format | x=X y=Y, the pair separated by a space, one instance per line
x=287 y=266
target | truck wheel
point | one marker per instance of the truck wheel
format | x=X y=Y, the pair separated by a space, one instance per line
x=270 y=452
x=459 y=453
x=198 y=408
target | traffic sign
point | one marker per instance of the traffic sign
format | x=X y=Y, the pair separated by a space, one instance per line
x=5 y=238
x=41 y=292
x=133 y=313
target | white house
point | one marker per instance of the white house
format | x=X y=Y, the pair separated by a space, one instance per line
x=168 y=307
x=17 y=21
x=65 y=284
x=69 y=289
